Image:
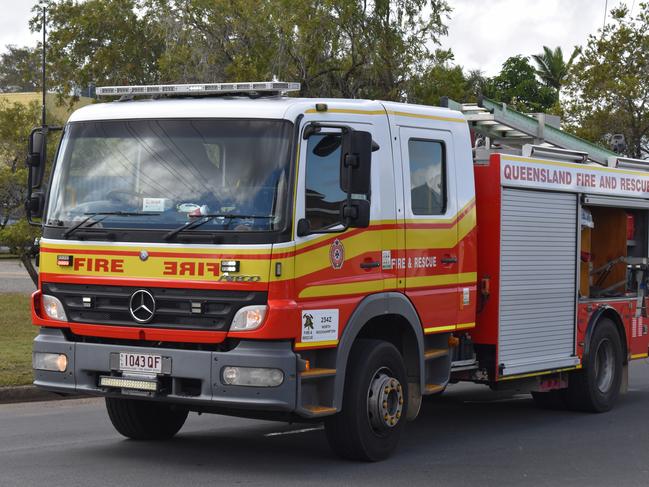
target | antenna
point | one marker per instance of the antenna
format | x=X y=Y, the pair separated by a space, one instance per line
x=43 y=109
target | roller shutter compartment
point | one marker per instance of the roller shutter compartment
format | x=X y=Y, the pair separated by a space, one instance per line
x=537 y=281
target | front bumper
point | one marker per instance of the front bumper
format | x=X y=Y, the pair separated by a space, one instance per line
x=194 y=378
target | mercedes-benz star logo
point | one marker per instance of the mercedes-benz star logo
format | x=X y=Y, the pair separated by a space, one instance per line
x=142 y=306
x=144 y=255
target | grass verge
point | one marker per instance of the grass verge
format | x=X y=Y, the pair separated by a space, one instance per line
x=17 y=333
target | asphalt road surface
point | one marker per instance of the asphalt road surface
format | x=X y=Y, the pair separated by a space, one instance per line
x=14 y=279
x=468 y=436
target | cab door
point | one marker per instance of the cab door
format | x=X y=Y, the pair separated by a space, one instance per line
x=334 y=271
x=431 y=230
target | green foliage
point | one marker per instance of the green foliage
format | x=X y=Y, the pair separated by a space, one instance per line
x=18 y=68
x=441 y=78
x=17 y=338
x=16 y=121
x=551 y=68
x=349 y=48
x=609 y=84
x=19 y=237
x=518 y=86
x=104 y=41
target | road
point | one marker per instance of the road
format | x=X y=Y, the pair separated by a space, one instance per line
x=468 y=436
x=14 y=278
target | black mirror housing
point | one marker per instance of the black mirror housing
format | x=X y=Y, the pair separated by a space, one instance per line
x=355 y=162
x=35 y=205
x=356 y=213
x=36 y=148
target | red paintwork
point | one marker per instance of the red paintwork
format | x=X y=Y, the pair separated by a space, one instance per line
x=488 y=202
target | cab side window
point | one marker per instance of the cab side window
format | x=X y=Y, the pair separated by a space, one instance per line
x=323 y=193
x=428 y=192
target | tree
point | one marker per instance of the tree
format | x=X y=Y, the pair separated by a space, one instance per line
x=18 y=66
x=99 y=41
x=552 y=69
x=349 y=48
x=440 y=78
x=518 y=86
x=16 y=122
x=609 y=84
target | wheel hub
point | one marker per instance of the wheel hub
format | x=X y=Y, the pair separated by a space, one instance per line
x=604 y=365
x=385 y=401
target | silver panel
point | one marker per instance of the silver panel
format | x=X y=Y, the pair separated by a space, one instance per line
x=537 y=280
x=615 y=202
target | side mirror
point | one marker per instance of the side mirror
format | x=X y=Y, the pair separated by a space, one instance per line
x=303 y=227
x=355 y=162
x=35 y=205
x=36 y=157
x=356 y=213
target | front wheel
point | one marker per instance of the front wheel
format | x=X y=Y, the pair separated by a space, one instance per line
x=143 y=420
x=597 y=386
x=375 y=403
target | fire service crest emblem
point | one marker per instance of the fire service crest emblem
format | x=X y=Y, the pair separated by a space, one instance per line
x=337 y=254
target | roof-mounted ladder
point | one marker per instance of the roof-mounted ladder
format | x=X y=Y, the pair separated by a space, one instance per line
x=508 y=127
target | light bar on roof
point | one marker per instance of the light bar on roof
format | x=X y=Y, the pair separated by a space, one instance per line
x=199 y=89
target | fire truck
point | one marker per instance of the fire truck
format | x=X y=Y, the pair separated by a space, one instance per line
x=230 y=249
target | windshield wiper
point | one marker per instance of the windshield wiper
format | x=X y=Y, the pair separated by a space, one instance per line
x=207 y=218
x=104 y=214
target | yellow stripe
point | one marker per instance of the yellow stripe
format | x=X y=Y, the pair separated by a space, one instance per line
x=340 y=289
x=434 y=329
x=535 y=374
x=348 y=110
x=316 y=344
x=463 y=326
x=459 y=326
x=447 y=279
x=573 y=165
x=427 y=117
x=391 y=112
x=639 y=355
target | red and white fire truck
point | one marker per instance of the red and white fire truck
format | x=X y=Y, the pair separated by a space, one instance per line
x=226 y=248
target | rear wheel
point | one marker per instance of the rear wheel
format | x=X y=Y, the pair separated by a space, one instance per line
x=375 y=403
x=597 y=386
x=143 y=420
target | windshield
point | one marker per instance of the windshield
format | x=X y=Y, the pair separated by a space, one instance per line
x=173 y=172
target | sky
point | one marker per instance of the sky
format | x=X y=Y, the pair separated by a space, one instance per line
x=482 y=33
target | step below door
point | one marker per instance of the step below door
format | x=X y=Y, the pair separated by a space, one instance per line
x=538 y=281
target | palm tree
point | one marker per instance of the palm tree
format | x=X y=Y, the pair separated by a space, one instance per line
x=551 y=67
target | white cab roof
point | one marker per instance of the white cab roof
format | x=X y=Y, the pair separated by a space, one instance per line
x=267 y=108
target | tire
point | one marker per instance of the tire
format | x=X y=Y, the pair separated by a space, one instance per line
x=554 y=400
x=596 y=387
x=143 y=420
x=375 y=403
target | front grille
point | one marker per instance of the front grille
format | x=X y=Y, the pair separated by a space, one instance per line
x=110 y=305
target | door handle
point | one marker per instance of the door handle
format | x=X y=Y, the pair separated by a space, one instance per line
x=449 y=259
x=373 y=264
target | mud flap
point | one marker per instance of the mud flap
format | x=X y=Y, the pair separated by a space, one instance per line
x=414 y=401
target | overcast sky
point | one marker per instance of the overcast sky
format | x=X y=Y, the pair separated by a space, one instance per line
x=482 y=33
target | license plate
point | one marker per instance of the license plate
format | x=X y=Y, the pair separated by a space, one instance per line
x=140 y=362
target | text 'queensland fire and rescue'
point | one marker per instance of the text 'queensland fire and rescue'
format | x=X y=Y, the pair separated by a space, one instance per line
x=571 y=178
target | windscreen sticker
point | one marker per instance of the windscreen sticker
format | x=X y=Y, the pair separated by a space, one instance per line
x=319 y=325
x=153 y=204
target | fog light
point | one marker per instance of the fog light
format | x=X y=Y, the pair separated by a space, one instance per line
x=252 y=376
x=54 y=308
x=56 y=362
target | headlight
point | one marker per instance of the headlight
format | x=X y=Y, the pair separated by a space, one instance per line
x=54 y=308
x=249 y=318
x=57 y=362
x=252 y=376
